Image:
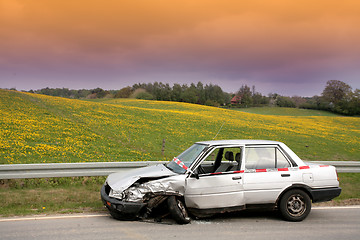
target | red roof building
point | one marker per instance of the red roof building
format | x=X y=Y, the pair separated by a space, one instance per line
x=236 y=100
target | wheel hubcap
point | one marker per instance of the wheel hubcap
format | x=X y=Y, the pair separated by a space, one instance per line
x=296 y=205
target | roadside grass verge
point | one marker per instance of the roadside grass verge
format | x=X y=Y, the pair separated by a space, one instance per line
x=82 y=194
x=50 y=196
x=350 y=184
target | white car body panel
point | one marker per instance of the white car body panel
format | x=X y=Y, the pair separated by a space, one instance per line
x=215 y=191
x=264 y=187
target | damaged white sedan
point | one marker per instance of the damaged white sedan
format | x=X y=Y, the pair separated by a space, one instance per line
x=222 y=176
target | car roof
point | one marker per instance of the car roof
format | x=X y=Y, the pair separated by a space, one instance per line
x=239 y=142
x=248 y=142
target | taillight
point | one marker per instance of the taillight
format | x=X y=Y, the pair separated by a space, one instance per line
x=337 y=176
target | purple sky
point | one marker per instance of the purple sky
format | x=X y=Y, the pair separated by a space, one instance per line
x=287 y=47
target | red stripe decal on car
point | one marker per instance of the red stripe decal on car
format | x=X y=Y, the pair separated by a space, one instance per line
x=180 y=163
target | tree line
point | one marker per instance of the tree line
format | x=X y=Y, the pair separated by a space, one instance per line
x=337 y=96
x=199 y=93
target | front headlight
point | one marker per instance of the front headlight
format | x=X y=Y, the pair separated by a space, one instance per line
x=116 y=194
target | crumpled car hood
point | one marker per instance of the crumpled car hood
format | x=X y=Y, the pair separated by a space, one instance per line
x=122 y=180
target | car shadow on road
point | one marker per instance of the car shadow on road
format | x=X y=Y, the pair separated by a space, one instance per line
x=253 y=215
x=249 y=214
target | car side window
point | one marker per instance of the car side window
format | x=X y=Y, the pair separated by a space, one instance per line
x=281 y=161
x=222 y=160
x=264 y=157
x=259 y=158
x=230 y=161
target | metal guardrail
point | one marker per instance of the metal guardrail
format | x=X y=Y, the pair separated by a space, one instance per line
x=342 y=166
x=42 y=170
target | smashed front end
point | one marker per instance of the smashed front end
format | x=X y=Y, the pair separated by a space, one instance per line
x=135 y=194
x=120 y=209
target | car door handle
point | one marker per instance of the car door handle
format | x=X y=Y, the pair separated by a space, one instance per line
x=236 y=178
x=285 y=175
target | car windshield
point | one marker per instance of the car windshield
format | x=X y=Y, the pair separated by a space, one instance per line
x=185 y=159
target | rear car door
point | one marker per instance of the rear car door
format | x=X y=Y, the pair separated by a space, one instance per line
x=267 y=173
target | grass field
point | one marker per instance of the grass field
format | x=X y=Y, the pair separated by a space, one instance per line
x=281 y=111
x=43 y=129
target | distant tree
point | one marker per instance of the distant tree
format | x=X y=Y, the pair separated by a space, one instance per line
x=123 y=93
x=162 y=91
x=349 y=105
x=298 y=100
x=200 y=93
x=156 y=91
x=82 y=93
x=282 y=101
x=176 y=93
x=141 y=93
x=258 y=99
x=145 y=96
x=214 y=93
x=211 y=103
x=273 y=95
x=246 y=95
x=336 y=91
x=227 y=98
x=99 y=92
x=190 y=94
x=354 y=103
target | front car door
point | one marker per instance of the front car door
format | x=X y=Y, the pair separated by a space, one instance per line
x=218 y=180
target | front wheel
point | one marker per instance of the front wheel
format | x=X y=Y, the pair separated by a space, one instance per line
x=177 y=210
x=295 y=205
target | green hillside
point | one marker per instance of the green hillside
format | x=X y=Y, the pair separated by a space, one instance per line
x=37 y=128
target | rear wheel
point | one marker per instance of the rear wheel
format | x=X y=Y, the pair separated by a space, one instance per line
x=295 y=205
x=177 y=210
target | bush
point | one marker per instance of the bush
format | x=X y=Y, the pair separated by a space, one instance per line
x=145 y=96
x=212 y=103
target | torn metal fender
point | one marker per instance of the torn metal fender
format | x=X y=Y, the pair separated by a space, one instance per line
x=122 y=180
x=173 y=185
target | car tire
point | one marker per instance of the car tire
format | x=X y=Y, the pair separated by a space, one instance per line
x=295 y=205
x=177 y=210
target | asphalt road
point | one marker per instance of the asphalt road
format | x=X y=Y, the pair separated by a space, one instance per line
x=322 y=223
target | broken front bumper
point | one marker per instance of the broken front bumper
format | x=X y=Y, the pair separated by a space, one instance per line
x=116 y=205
